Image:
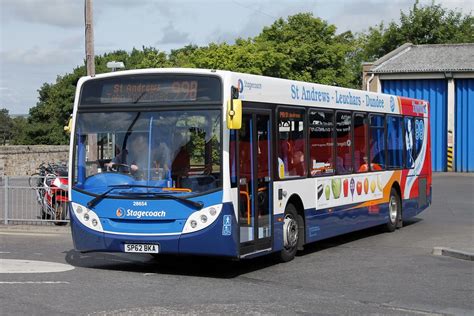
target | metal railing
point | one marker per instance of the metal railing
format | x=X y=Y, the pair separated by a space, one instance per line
x=32 y=200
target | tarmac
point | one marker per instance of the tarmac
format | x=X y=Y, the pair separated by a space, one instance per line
x=456 y=248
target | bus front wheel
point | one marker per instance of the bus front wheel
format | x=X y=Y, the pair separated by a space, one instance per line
x=394 y=211
x=291 y=233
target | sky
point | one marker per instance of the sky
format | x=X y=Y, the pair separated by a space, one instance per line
x=41 y=39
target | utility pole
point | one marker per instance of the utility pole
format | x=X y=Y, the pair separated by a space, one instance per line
x=90 y=63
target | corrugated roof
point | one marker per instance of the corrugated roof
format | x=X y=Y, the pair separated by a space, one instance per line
x=411 y=58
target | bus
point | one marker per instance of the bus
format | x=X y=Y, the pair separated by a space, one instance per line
x=219 y=163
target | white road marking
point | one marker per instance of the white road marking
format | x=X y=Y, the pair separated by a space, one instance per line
x=34 y=282
x=32 y=266
x=2 y=252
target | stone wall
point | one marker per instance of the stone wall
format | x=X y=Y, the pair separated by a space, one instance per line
x=24 y=160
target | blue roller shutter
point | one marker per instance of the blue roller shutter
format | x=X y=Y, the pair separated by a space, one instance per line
x=435 y=92
x=464 y=122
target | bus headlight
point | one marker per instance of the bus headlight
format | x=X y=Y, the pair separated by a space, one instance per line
x=202 y=219
x=86 y=217
x=212 y=211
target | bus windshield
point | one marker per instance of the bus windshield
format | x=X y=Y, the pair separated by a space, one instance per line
x=176 y=150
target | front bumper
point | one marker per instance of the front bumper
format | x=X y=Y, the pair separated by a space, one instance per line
x=213 y=240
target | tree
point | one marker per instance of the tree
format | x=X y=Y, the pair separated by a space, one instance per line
x=311 y=50
x=5 y=126
x=47 y=119
x=55 y=104
x=19 y=137
x=301 y=47
x=430 y=24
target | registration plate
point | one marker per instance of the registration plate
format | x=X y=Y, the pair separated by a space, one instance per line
x=142 y=248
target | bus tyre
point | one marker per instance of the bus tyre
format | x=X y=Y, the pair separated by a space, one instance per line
x=394 y=211
x=291 y=233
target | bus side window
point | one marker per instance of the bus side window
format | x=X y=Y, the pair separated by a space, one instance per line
x=321 y=142
x=361 y=154
x=343 y=142
x=377 y=142
x=291 y=143
x=394 y=142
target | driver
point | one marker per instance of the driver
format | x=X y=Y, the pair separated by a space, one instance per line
x=119 y=163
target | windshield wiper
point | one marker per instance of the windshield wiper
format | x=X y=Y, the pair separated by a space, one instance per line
x=100 y=197
x=139 y=97
x=97 y=199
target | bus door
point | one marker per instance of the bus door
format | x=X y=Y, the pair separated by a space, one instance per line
x=255 y=182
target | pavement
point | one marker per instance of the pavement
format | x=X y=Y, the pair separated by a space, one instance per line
x=38 y=228
x=453 y=194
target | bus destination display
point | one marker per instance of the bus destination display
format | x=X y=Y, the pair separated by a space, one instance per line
x=184 y=90
x=150 y=89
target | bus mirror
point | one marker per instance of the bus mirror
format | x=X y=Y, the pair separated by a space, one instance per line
x=68 y=127
x=234 y=114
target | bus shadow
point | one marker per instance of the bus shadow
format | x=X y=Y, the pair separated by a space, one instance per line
x=350 y=237
x=199 y=266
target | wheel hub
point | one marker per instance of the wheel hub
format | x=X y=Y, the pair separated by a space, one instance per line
x=393 y=209
x=290 y=232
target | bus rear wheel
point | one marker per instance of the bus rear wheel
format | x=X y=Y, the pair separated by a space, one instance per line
x=394 y=211
x=291 y=233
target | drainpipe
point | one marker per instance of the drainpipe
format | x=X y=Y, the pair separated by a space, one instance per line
x=369 y=80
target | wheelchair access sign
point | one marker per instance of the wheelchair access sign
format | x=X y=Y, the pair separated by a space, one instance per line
x=227 y=225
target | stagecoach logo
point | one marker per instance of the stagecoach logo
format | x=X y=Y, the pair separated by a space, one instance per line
x=244 y=84
x=144 y=214
x=241 y=86
x=120 y=212
x=392 y=104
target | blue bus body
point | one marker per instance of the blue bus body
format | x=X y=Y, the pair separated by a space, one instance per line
x=153 y=168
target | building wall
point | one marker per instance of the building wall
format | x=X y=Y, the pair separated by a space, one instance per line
x=464 y=122
x=456 y=136
x=24 y=160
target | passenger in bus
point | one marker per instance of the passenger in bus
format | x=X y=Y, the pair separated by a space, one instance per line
x=340 y=165
x=287 y=154
x=182 y=160
x=364 y=167
x=298 y=163
x=162 y=161
x=360 y=159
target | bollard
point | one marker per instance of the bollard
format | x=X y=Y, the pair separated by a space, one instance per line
x=450 y=159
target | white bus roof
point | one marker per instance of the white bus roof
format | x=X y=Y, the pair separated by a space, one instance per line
x=256 y=88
